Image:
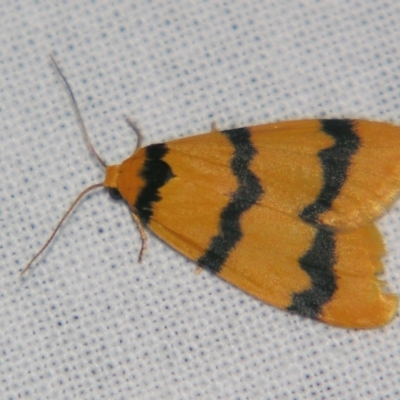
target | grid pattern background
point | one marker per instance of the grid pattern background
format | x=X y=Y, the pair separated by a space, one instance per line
x=89 y=322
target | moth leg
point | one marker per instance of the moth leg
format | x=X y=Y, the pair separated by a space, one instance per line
x=142 y=235
x=214 y=126
x=135 y=128
x=198 y=270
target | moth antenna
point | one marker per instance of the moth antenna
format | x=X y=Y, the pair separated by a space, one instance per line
x=135 y=128
x=78 y=114
x=142 y=235
x=91 y=149
x=71 y=207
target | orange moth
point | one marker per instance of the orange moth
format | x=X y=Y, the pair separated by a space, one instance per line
x=283 y=211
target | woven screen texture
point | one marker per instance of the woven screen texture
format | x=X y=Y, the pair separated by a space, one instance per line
x=89 y=321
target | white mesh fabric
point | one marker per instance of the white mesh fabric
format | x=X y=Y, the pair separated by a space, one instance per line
x=89 y=322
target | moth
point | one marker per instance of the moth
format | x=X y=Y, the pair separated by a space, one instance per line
x=284 y=211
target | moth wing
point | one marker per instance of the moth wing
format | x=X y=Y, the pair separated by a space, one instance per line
x=277 y=257
x=316 y=273
x=373 y=179
x=307 y=169
x=360 y=300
